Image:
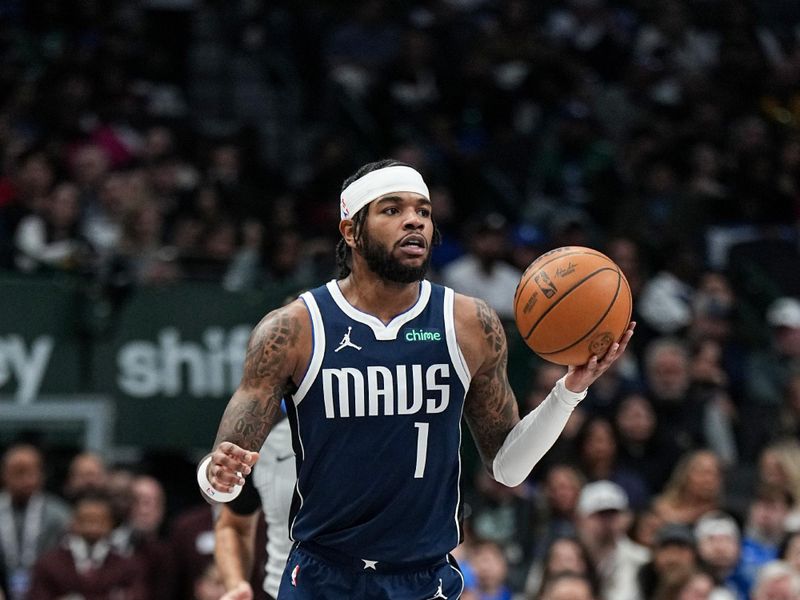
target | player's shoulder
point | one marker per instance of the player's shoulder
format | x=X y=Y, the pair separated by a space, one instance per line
x=292 y=313
x=289 y=324
x=474 y=318
x=471 y=311
x=285 y=331
x=479 y=330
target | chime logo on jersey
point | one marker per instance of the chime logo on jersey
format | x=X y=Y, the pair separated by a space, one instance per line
x=423 y=335
x=382 y=391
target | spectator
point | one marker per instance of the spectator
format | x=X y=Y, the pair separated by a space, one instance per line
x=491 y=569
x=149 y=503
x=779 y=465
x=789 y=550
x=603 y=520
x=245 y=269
x=668 y=379
x=568 y=586
x=53 y=240
x=674 y=558
x=619 y=380
x=142 y=256
x=769 y=370
x=645 y=526
x=32 y=521
x=86 y=564
x=790 y=409
x=597 y=456
x=101 y=222
x=719 y=547
x=643 y=447
x=89 y=167
x=140 y=537
x=710 y=389
x=666 y=299
x=120 y=490
x=694 y=489
x=764 y=530
x=714 y=318
x=626 y=252
x=483 y=272
x=87 y=472
x=23 y=190
x=699 y=585
x=565 y=555
x=504 y=516
x=191 y=539
x=556 y=506
x=777 y=581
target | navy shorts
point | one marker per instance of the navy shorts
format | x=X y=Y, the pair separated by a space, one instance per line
x=315 y=573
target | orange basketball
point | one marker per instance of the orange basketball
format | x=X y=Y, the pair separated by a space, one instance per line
x=572 y=303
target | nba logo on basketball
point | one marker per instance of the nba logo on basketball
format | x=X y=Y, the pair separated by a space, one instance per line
x=543 y=281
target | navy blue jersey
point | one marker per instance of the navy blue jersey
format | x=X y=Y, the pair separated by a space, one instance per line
x=376 y=424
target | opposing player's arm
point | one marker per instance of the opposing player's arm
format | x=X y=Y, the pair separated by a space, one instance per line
x=490 y=406
x=274 y=358
x=234 y=545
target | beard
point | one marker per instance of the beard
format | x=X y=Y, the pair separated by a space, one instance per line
x=381 y=262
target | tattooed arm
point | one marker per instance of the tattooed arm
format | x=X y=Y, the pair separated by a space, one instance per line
x=490 y=406
x=278 y=350
x=511 y=447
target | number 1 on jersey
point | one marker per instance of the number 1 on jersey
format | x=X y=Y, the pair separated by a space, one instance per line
x=422 y=449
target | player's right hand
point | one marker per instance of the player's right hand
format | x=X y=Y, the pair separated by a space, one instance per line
x=229 y=465
x=242 y=591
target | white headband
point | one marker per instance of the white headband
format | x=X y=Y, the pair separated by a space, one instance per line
x=379 y=183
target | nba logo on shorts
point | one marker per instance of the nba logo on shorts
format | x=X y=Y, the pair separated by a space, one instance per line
x=295 y=571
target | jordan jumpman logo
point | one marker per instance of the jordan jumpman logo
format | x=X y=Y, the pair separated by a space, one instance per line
x=439 y=593
x=346 y=341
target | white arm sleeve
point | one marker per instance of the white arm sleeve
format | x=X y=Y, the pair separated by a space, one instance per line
x=534 y=435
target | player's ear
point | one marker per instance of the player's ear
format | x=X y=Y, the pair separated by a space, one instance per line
x=348 y=230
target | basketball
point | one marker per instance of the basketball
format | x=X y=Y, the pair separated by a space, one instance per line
x=572 y=303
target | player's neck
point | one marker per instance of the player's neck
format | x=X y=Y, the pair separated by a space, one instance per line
x=376 y=296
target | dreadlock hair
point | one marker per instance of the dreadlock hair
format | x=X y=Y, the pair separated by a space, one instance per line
x=343 y=251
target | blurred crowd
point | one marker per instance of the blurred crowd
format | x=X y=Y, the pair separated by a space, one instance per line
x=144 y=143
x=103 y=533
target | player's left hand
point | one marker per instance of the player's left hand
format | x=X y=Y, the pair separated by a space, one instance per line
x=581 y=377
x=229 y=465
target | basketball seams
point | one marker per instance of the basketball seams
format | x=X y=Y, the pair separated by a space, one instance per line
x=600 y=320
x=566 y=293
x=525 y=280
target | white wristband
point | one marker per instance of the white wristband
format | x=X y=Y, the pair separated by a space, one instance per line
x=208 y=489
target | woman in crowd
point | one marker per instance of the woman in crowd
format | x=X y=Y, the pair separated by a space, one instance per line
x=694 y=489
x=565 y=555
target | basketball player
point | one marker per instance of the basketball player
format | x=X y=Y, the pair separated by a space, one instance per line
x=269 y=490
x=378 y=367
